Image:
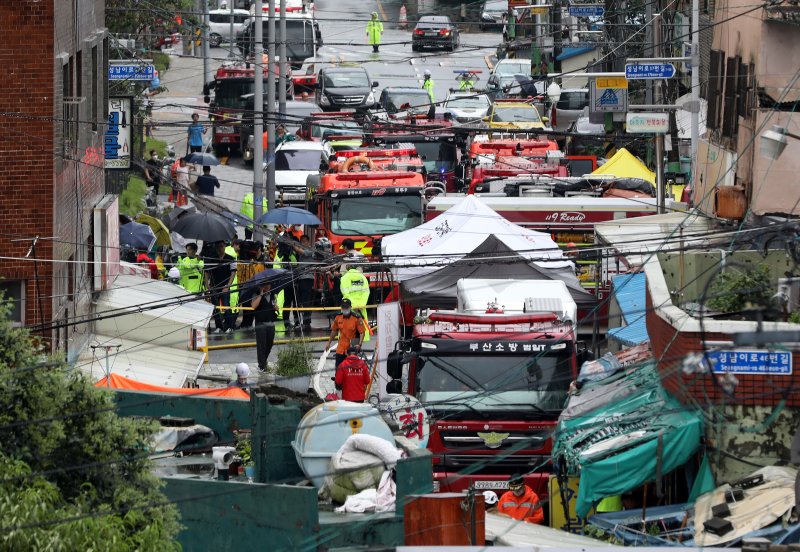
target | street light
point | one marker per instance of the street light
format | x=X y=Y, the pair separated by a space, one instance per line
x=554 y=92
x=774 y=141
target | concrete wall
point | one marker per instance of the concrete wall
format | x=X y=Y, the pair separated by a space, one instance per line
x=775 y=188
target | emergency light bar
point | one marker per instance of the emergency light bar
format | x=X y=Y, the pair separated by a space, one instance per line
x=467 y=72
x=408 y=152
x=456 y=317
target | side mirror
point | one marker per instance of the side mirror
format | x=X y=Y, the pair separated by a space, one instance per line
x=394 y=387
x=374 y=84
x=394 y=365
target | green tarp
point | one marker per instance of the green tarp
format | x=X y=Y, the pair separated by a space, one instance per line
x=619 y=445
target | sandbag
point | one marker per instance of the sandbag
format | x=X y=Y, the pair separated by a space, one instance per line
x=358 y=465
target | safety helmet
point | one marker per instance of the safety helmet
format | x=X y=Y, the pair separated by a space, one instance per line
x=490 y=498
x=174 y=273
x=427 y=72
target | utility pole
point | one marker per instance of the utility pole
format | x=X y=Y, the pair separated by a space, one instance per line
x=206 y=45
x=695 y=131
x=659 y=138
x=271 y=107
x=284 y=64
x=232 y=40
x=258 y=119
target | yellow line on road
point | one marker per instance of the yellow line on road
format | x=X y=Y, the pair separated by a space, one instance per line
x=381 y=11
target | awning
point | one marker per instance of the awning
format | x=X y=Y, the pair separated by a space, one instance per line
x=629 y=291
x=116 y=381
x=505 y=531
x=623 y=164
x=140 y=361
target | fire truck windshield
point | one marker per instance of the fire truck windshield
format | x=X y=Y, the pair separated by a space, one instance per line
x=499 y=382
x=373 y=215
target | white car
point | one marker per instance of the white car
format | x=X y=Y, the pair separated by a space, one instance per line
x=295 y=161
x=219 y=25
x=466 y=106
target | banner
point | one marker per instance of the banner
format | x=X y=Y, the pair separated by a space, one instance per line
x=118 y=138
x=388 y=334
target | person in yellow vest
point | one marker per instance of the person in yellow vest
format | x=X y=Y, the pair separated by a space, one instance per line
x=285 y=258
x=247 y=209
x=427 y=84
x=355 y=287
x=233 y=251
x=191 y=270
x=609 y=504
x=374 y=31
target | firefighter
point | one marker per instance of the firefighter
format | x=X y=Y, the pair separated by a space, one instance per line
x=520 y=502
x=354 y=286
x=191 y=269
x=352 y=376
x=374 y=32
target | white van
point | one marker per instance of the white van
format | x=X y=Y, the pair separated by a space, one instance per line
x=219 y=30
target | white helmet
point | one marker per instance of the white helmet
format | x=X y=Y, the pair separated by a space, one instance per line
x=490 y=498
x=242 y=370
x=174 y=273
x=427 y=72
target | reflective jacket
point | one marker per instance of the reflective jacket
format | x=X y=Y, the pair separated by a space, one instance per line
x=522 y=508
x=355 y=286
x=247 y=207
x=191 y=274
x=352 y=375
x=374 y=31
x=427 y=84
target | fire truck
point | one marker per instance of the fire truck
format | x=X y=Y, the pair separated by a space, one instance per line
x=365 y=205
x=494 y=375
x=438 y=149
x=402 y=158
x=232 y=85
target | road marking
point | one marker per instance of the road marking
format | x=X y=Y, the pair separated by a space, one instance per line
x=381 y=11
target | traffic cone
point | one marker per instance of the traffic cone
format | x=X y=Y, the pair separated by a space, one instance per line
x=402 y=21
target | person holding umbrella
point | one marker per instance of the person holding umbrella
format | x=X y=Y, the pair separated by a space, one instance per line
x=219 y=278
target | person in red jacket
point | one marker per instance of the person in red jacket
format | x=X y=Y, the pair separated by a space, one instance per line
x=352 y=377
x=144 y=259
x=520 y=502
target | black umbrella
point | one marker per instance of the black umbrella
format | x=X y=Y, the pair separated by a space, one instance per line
x=136 y=236
x=169 y=218
x=205 y=159
x=205 y=226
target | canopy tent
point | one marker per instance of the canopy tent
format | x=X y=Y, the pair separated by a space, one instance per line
x=438 y=289
x=625 y=164
x=115 y=381
x=621 y=431
x=459 y=231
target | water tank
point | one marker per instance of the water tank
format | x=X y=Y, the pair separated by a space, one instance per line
x=325 y=428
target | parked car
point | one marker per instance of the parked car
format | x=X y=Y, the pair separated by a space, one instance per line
x=570 y=107
x=466 y=106
x=435 y=31
x=515 y=115
x=402 y=101
x=219 y=25
x=494 y=14
x=294 y=162
x=512 y=78
x=341 y=88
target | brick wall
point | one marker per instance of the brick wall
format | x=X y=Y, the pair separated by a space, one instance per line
x=49 y=190
x=670 y=347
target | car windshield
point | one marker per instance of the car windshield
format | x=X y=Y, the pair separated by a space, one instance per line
x=402 y=101
x=330 y=128
x=468 y=102
x=573 y=101
x=375 y=215
x=515 y=115
x=297 y=160
x=438 y=156
x=351 y=79
x=513 y=69
x=504 y=382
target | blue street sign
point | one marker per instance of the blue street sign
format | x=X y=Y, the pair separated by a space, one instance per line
x=587 y=11
x=752 y=362
x=652 y=70
x=131 y=72
x=609 y=97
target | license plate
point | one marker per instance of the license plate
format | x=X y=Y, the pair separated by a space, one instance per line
x=492 y=485
x=225 y=140
x=436 y=486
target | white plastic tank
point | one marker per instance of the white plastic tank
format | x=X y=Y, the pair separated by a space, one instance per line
x=325 y=428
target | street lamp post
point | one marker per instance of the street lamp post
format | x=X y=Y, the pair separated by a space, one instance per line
x=774 y=141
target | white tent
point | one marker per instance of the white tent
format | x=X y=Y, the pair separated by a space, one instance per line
x=457 y=232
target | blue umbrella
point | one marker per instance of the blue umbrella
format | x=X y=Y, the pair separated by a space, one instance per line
x=205 y=159
x=289 y=215
x=136 y=236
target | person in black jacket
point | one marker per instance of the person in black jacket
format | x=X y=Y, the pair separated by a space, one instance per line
x=265 y=309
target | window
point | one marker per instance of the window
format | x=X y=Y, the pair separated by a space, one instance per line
x=14 y=294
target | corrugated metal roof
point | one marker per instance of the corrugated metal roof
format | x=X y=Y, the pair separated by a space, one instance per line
x=629 y=291
x=140 y=361
x=567 y=53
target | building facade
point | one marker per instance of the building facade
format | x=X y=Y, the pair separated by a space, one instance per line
x=53 y=61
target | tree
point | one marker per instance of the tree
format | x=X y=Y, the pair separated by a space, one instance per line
x=74 y=471
x=142 y=20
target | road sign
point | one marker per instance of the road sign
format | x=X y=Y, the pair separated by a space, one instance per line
x=131 y=72
x=608 y=99
x=647 y=123
x=752 y=362
x=655 y=70
x=587 y=11
x=540 y=10
x=611 y=82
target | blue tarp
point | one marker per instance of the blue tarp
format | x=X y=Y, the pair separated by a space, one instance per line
x=629 y=291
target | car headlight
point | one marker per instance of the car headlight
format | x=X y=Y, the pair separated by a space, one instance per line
x=371 y=97
x=323 y=100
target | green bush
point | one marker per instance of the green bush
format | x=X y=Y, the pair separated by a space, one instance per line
x=161 y=62
x=131 y=200
x=733 y=290
x=295 y=360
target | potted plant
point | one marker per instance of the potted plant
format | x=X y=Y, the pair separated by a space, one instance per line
x=244 y=449
x=294 y=368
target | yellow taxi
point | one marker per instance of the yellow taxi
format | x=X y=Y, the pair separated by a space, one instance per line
x=516 y=115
